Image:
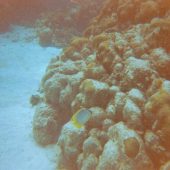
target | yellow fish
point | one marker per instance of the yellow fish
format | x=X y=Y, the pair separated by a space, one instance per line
x=81 y=117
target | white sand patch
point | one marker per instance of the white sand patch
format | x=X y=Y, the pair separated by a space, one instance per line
x=22 y=65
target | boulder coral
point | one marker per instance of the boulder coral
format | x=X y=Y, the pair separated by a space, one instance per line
x=92 y=145
x=161 y=61
x=158 y=105
x=93 y=91
x=70 y=143
x=97 y=118
x=94 y=71
x=135 y=67
x=46 y=124
x=89 y=162
x=137 y=96
x=119 y=70
x=132 y=115
x=123 y=150
x=155 y=150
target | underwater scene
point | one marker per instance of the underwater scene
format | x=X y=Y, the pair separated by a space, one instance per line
x=85 y=85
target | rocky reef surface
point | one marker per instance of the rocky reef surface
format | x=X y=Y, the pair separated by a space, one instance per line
x=69 y=19
x=120 y=71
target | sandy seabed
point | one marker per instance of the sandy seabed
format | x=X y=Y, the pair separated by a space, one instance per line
x=22 y=65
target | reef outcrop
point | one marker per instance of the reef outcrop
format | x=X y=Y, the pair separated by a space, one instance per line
x=60 y=26
x=119 y=70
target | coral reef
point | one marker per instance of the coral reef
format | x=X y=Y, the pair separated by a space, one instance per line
x=118 y=15
x=119 y=70
x=60 y=26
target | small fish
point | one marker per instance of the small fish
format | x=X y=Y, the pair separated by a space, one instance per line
x=81 y=117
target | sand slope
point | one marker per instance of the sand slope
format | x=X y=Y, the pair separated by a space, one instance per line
x=22 y=64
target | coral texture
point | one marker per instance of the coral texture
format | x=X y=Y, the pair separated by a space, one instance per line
x=119 y=70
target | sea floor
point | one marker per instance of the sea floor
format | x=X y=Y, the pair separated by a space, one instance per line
x=22 y=65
